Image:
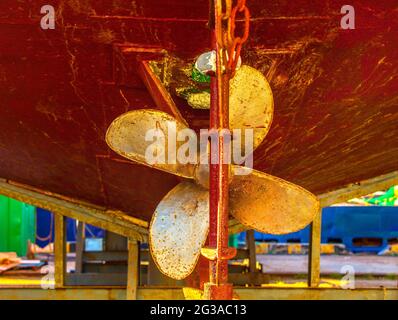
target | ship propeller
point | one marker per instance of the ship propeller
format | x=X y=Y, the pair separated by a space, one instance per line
x=180 y=223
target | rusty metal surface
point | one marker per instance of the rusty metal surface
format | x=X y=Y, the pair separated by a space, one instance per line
x=335 y=93
x=217 y=287
x=159 y=93
x=271 y=205
x=179 y=229
x=127 y=136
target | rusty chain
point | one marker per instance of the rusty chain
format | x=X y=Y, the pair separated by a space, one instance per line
x=228 y=42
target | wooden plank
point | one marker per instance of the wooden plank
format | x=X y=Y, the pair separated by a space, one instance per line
x=96 y=279
x=178 y=294
x=316 y=294
x=133 y=273
x=114 y=256
x=59 y=250
x=115 y=221
x=358 y=189
x=314 y=252
x=105 y=268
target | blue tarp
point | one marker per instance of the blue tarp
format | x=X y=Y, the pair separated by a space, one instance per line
x=45 y=229
x=344 y=224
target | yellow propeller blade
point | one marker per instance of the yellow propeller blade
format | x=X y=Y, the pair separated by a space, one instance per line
x=251 y=103
x=141 y=135
x=271 y=205
x=179 y=229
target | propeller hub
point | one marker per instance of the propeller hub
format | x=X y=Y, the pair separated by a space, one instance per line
x=202 y=174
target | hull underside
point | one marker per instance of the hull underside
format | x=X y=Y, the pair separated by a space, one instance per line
x=336 y=93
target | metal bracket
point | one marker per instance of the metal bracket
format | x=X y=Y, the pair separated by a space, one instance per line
x=132 y=69
x=126 y=62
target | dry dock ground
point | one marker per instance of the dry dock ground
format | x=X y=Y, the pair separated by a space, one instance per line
x=369 y=271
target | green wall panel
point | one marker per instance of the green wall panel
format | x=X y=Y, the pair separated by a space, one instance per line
x=17 y=225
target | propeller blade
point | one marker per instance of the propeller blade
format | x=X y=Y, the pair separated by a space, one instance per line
x=251 y=103
x=179 y=229
x=271 y=205
x=127 y=136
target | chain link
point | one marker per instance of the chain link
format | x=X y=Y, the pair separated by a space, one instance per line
x=228 y=41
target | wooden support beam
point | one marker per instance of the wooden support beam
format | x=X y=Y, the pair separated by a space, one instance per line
x=114 y=221
x=314 y=252
x=351 y=191
x=59 y=250
x=251 y=247
x=133 y=267
x=80 y=244
x=358 y=189
x=178 y=294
